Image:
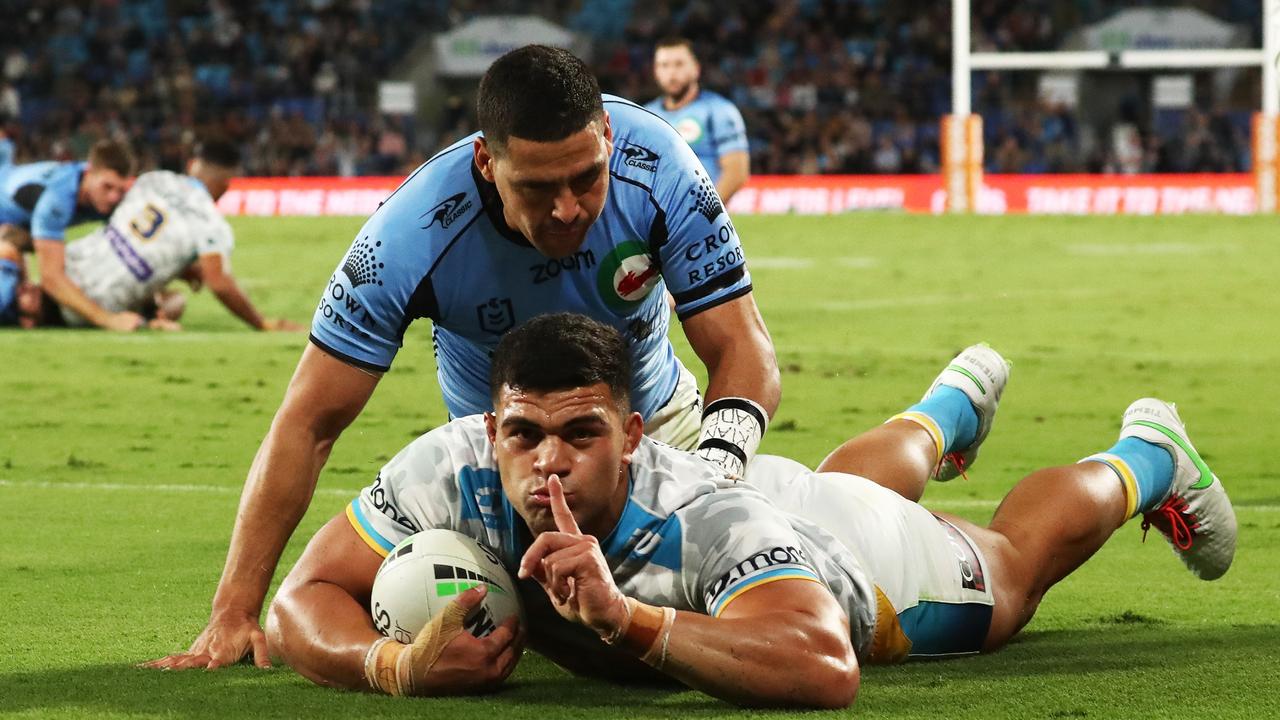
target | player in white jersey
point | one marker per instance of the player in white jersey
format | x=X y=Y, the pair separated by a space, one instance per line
x=167 y=227
x=772 y=591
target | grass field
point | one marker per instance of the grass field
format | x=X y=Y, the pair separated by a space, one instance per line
x=121 y=460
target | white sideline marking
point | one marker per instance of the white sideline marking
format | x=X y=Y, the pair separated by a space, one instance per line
x=1116 y=249
x=342 y=492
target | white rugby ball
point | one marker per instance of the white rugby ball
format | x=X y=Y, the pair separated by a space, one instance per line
x=427 y=571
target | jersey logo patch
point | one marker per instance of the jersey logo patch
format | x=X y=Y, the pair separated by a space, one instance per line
x=496 y=316
x=641 y=158
x=627 y=276
x=705 y=199
x=361 y=265
x=690 y=129
x=447 y=211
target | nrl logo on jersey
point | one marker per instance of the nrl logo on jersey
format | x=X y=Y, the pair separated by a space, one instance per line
x=447 y=211
x=641 y=158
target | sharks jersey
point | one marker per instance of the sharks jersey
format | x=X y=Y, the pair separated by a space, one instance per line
x=710 y=124
x=686 y=539
x=439 y=248
x=41 y=197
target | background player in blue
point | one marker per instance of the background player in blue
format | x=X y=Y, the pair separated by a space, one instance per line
x=549 y=210
x=711 y=125
x=39 y=201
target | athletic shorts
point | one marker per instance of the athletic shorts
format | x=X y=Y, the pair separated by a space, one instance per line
x=679 y=422
x=9 y=278
x=931 y=573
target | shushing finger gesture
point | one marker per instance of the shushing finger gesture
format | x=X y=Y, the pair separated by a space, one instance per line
x=572 y=570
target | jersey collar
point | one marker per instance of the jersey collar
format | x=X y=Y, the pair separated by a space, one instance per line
x=492 y=203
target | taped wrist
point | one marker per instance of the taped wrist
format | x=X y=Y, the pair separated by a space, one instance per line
x=731 y=431
x=646 y=633
x=398 y=669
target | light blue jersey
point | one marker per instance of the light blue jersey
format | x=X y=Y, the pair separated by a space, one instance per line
x=711 y=125
x=41 y=197
x=438 y=248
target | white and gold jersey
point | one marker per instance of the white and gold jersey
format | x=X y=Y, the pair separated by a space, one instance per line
x=165 y=222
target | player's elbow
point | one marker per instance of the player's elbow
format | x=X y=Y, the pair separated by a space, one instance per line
x=830 y=671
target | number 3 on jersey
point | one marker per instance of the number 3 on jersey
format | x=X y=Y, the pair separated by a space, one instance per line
x=147 y=223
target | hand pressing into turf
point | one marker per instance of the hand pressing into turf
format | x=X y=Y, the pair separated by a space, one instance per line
x=226 y=640
x=572 y=571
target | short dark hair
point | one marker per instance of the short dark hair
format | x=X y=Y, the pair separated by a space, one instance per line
x=562 y=351
x=218 y=151
x=537 y=93
x=676 y=41
x=112 y=155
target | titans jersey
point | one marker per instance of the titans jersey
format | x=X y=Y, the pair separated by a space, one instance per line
x=687 y=538
x=165 y=222
x=439 y=248
x=41 y=197
x=710 y=124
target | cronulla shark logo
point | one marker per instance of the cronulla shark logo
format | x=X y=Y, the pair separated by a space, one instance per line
x=447 y=211
x=641 y=158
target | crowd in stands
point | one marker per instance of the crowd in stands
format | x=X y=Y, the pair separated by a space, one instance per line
x=825 y=86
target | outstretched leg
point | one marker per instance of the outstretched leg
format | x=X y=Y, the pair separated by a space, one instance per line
x=937 y=437
x=1056 y=519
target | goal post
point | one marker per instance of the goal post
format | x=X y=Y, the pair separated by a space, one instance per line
x=961 y=132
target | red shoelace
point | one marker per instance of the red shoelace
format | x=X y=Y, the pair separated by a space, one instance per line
x=1175 y=513
x=956 y=459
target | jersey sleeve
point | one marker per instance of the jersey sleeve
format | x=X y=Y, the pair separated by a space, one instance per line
x=410 y=494
x=373 y=294
x=739 y=542
x=729 y=132
x=216 y=238
x=55 y=208
x=702 y=260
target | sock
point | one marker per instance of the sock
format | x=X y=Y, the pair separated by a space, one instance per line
x=1145 y=470
x=948 y=416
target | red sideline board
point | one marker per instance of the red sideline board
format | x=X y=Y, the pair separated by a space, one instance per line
x=825 y=194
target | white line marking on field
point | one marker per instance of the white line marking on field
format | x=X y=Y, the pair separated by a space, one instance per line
x=782 y=262
x=1172 y=248
x=927 y=300
x=344 y=492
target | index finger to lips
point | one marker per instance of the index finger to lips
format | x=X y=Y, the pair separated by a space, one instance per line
x=559 y=508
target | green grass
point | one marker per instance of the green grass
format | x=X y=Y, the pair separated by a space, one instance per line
x=121 y=459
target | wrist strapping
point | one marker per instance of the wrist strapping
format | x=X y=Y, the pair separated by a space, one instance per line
x=732 y=428
x=645 y=633
x=395 y=668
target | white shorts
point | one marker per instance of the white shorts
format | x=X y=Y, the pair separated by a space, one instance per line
x=931 y=572
x=679 y=422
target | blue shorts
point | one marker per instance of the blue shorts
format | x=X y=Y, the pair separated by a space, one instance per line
x=9 y=276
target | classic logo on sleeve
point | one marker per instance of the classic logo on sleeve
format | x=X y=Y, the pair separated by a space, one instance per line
x=447 y=211
x=626 y=276
x=641 y=158
x=361 y=265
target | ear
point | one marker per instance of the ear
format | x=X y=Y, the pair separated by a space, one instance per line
x=491 y=427
x=633 y=429
x=483 y=158
x=608 y=129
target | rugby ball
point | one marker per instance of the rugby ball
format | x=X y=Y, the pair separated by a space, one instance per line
x=427 y=571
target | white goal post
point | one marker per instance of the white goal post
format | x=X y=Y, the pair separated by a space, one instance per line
x=962 y=130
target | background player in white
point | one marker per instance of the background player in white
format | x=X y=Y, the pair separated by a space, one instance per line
x=541 y=212
x=168 y=226
x=708 y=121
x=715 y=584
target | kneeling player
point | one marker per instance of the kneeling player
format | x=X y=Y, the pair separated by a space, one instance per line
x=167 y=227
x=632 y=550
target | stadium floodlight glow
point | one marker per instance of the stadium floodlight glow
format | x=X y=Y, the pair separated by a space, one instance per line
x=962 y=131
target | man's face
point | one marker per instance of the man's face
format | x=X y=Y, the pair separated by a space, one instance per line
x=103 y=189
x=30 y=304
x=675 y=70
x=580 y=435
x=551 y=191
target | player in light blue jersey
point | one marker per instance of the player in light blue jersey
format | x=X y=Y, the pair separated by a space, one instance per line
x=711 y=124
x=771 y=591
x=547 y=210
x=39 y=201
